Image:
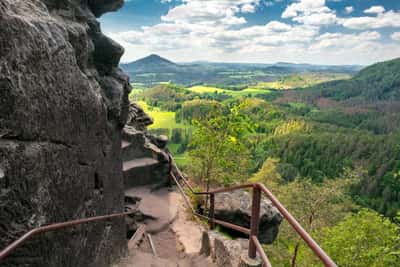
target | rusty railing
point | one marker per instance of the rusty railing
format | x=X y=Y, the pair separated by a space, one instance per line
x=254 y=244
x=54 y=227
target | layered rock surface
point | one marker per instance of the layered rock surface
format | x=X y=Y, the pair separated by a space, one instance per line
x=63 y=104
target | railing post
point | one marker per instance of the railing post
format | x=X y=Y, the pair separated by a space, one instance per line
x=255 y=220
x=211 y=212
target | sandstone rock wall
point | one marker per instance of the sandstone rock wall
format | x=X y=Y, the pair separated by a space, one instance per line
x=63 y=104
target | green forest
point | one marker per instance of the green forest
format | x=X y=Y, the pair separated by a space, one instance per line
x=327 y=145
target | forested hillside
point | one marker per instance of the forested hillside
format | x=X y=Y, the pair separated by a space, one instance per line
x=367 y=106
x=379 y=82
x=335 y=143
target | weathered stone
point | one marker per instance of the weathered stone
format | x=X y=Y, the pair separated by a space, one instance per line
x=63 y=104
x=162 y=141
x=224 y=252
x=246 y=261
x=235 y=207
x=146 y=162
x=205 y=244
x=99 y=7
x=137 y=118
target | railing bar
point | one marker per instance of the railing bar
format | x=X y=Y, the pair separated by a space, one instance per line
x=180 y=174
x=228 y=189
x=56 y=226
x=261 y=251
x=153 y=248
x=189 y=205
x=136 y=236
x=226 y=224
x=233 y=226
x=219 y=190
x=255 y=219
x=211 y=212
x=186 y=182
x=298 y=228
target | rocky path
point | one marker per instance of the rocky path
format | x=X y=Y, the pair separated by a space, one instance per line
x=175 y=236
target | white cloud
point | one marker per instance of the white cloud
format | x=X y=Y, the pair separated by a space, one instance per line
x=381 y=20
x=375 y=10
x=311 y=12
x=215 y=30
x=211 y=11
x=248 y=8
x=395 y=36
x=344 y=41
x=349 y=9
x=269 y=3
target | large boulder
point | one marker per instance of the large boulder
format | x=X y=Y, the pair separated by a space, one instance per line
x=63 y=104
x=235 y=207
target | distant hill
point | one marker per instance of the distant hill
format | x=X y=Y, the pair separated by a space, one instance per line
x=151 y=64
x=154 y=69
x=310 y=67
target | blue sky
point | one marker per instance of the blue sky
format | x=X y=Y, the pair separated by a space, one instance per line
x=262 y=31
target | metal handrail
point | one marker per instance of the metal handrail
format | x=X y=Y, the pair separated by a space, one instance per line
x=298 y=228
x=54 y=227
x=254 y=244
x=260 y=251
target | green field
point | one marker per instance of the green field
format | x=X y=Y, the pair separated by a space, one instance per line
x=209 y=89
x=162 y=119
x=301 y=80
x=206 y=89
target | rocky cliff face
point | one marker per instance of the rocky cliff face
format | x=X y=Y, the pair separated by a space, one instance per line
x=63 y=104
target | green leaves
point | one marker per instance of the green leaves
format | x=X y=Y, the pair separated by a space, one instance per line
x=217 y=147
x=363 y=239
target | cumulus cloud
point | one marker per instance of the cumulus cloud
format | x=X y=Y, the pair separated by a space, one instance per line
x=381 y=20
x=312 y=12
x=269 y=3
x=344 y=41
x=395 y=36
x=217 y=30
x=349 y=9
x=211 y=11
x=248 y=8
x=315 y=12
x=375 y=10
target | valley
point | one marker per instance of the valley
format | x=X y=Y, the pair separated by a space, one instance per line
x=314 y=129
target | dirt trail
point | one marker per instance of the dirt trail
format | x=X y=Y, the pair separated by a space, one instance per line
x=175 y=235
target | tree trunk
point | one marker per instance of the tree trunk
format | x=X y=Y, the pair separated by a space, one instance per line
x=294 y=257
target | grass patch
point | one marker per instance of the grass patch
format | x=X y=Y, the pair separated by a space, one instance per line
x=209 y=89
x=206 y=89
x=162 y=119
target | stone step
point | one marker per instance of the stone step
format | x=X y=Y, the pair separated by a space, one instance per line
x=141 y=171
x=156 y=206
x=135 y=148
x=139 y=163
x=144 y=259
